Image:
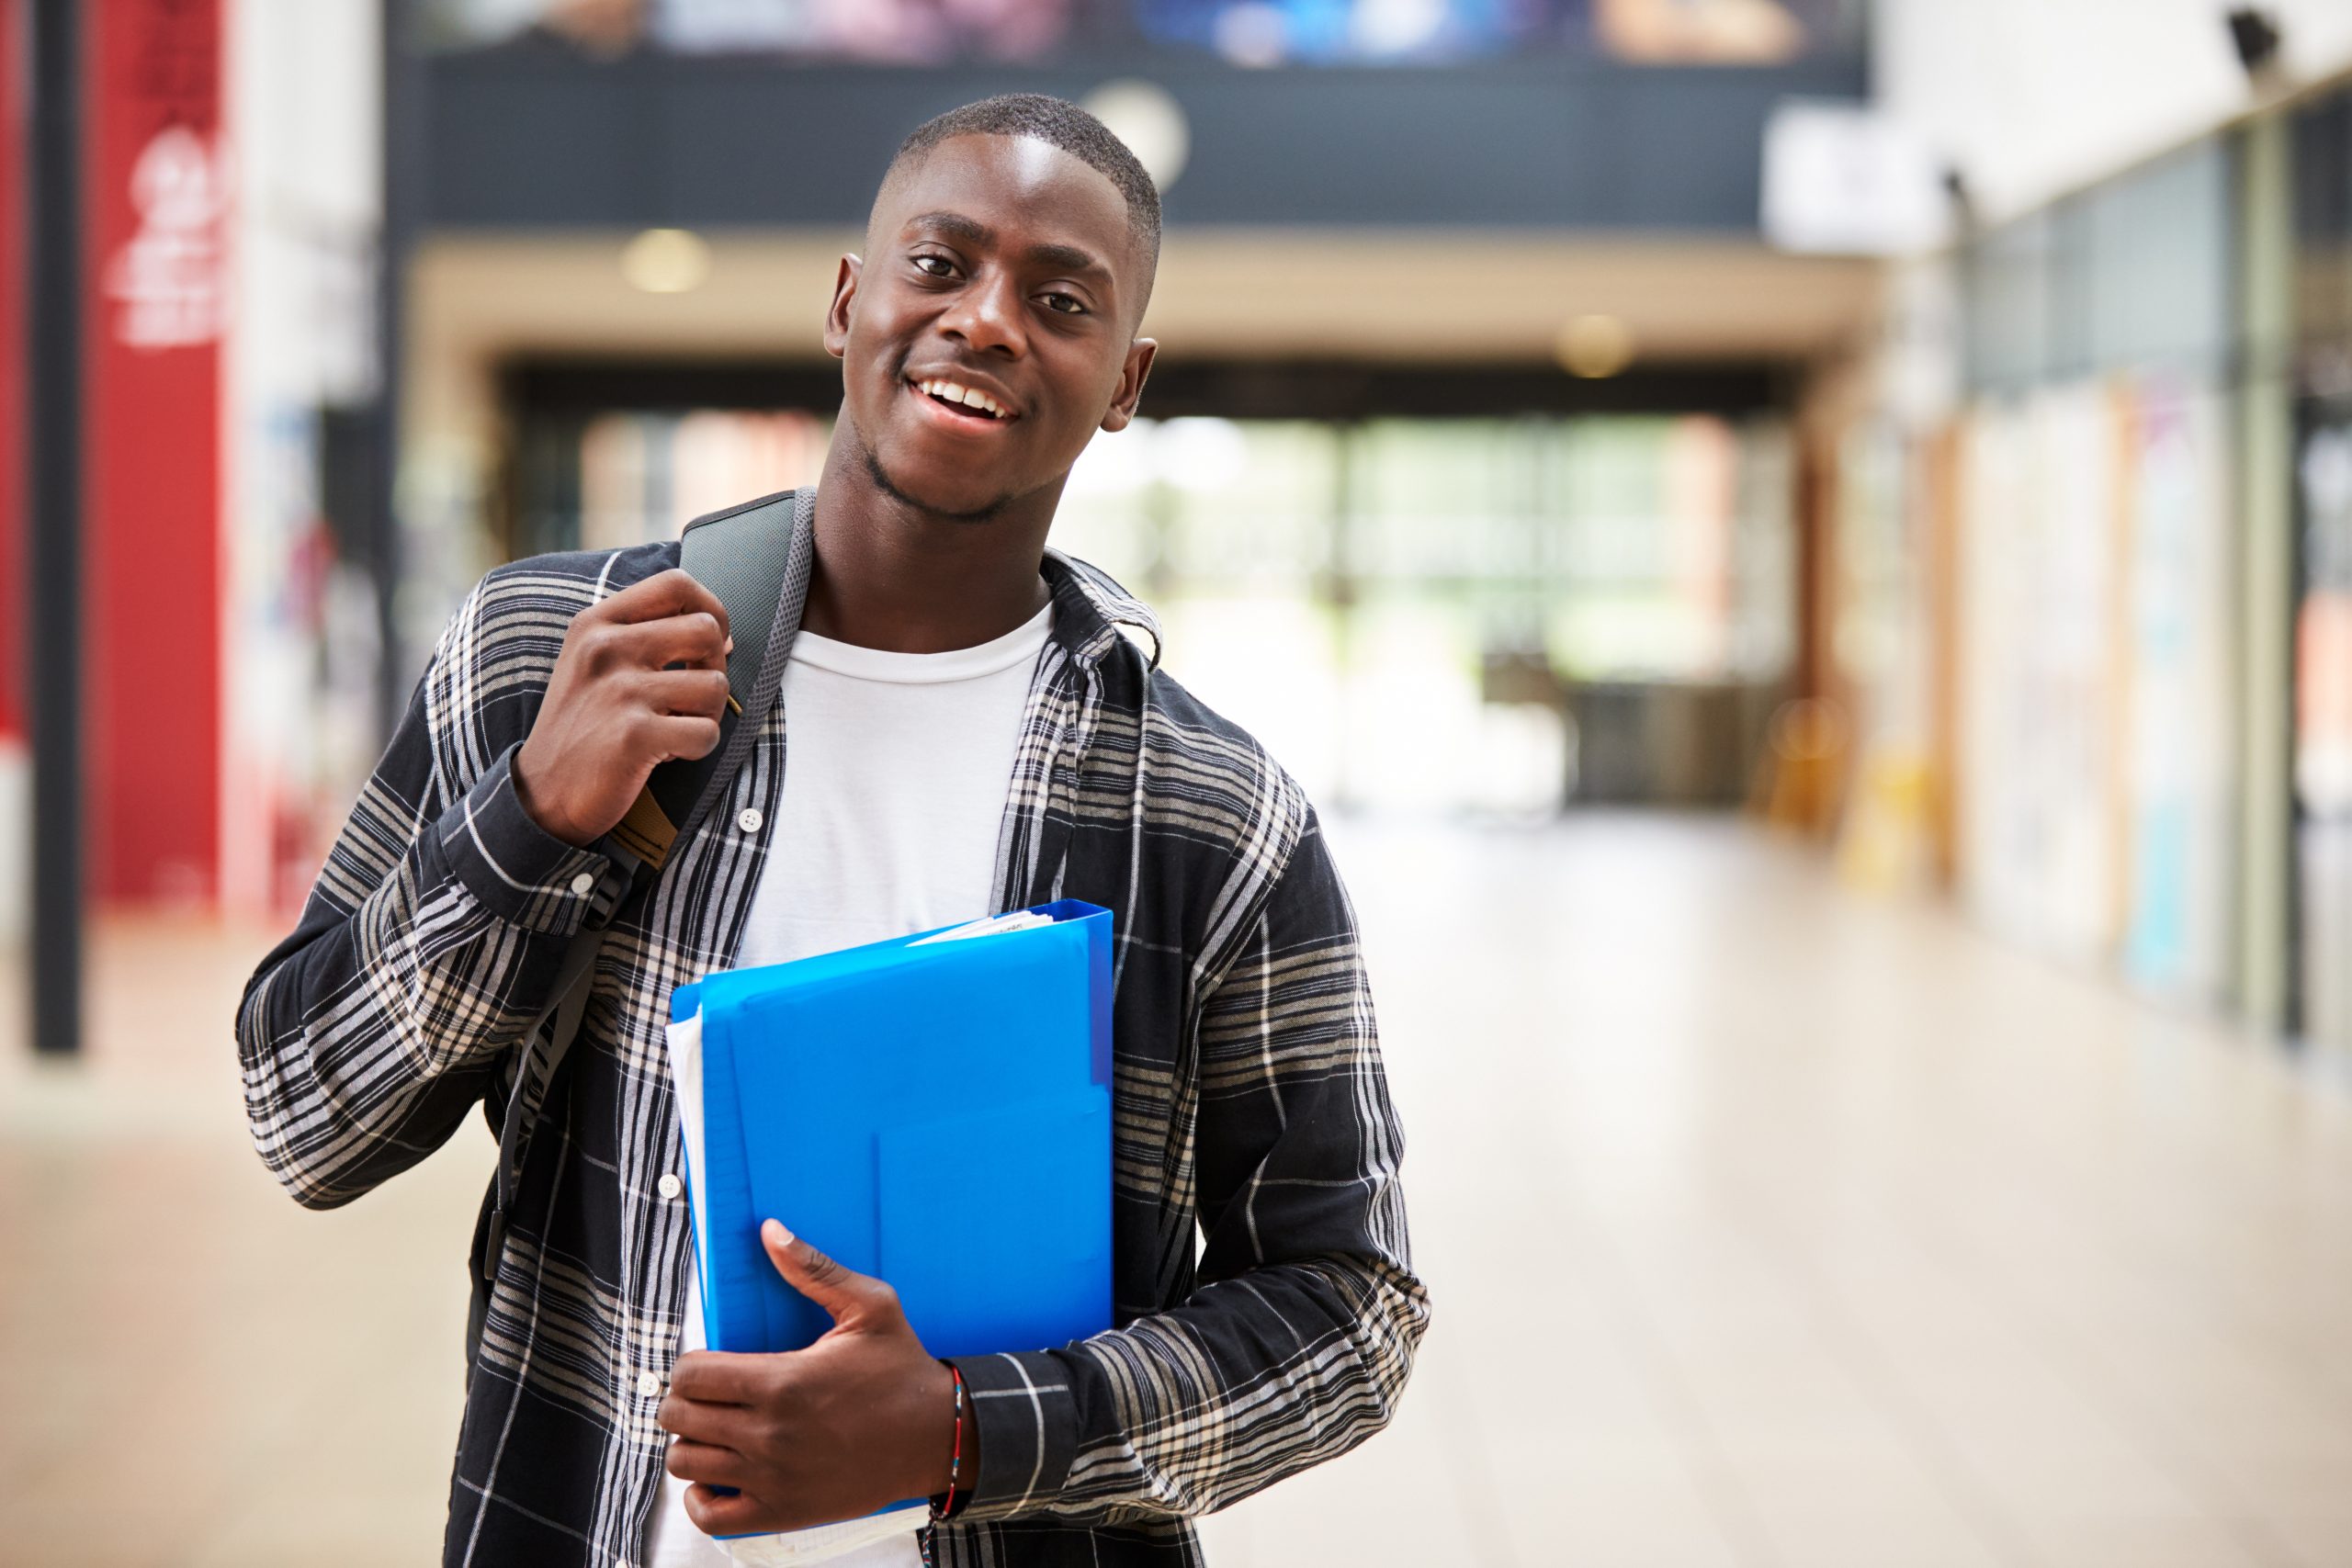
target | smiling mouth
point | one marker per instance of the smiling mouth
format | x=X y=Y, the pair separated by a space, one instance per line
x=962 y=402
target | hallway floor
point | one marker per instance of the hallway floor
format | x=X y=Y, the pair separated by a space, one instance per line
x=1768 y=1228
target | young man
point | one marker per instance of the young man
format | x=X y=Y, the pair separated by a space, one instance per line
x=968 y=732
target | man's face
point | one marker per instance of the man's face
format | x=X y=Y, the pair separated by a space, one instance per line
x=990 y=330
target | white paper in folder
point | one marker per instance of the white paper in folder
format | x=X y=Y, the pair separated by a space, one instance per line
x=881 y=1540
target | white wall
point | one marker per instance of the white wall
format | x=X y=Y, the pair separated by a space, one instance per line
x=304 y=134
x=15 y=841
x=2030 y=98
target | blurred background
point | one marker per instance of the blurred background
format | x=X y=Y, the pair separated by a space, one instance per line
x=1816 y=538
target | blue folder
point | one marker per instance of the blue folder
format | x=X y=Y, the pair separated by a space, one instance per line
x=936 y=1113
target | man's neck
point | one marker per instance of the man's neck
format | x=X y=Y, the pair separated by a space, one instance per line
x=895 y=577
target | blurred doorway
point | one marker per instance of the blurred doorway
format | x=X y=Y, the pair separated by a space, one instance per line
x=1480 y=604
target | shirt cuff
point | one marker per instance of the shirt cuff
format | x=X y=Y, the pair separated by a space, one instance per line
x=1026 y=1416
x=517 y=869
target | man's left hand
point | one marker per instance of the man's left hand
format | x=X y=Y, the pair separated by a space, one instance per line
x=858 y=1419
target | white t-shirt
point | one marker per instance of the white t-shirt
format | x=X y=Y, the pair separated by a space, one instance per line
x=896 y=769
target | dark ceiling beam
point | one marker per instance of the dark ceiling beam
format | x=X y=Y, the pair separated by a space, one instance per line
x=534 y=136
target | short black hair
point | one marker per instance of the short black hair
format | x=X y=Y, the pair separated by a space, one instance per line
x=1059 y=123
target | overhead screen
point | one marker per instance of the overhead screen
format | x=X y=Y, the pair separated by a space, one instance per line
x=1248 y=33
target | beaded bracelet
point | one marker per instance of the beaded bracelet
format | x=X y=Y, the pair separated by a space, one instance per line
x=945 y=1504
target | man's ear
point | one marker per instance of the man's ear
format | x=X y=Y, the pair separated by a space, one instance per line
x=1131 y=378
x=837 y=315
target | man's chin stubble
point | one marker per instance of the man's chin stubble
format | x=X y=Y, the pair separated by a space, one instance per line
x=883 y=483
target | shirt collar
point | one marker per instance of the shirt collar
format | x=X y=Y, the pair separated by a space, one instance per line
x=1090 y=607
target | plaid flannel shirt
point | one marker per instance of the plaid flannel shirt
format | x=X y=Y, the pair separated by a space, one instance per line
x=1249 y=1105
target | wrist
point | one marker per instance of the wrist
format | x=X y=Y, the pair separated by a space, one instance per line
x=969 y=1435
x=535 y=806
x=950 y=1439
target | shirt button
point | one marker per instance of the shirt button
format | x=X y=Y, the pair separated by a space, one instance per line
x=749 y=820
x=669 y=1186
x=583 y=882
x=648 y=1386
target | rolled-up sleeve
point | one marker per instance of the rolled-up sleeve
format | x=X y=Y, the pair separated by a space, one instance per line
x=515 y=869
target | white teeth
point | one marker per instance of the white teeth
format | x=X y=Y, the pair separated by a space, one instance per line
x=950 y=391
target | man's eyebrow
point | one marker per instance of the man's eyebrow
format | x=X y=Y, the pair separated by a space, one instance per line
x=955 y=225
x=1065 y=258
x=971 y=231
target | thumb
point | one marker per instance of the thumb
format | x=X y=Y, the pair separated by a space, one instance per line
x=853 y=1299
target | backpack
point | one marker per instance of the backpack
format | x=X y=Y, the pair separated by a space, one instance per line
x=757 y=558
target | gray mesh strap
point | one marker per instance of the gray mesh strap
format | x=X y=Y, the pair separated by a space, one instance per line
x=565 y=1008
x=744 y=555
x=757 y=558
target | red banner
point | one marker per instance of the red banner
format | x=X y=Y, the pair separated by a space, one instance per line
x=157 y=293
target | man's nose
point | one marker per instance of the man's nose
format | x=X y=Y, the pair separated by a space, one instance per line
x=987 y=316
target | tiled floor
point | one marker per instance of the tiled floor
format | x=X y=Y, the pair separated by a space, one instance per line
x=1769 y=1228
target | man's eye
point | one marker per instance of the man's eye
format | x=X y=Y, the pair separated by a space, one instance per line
x=1067 y=304
x=934 y=266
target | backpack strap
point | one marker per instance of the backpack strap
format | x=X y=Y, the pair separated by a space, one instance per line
x=566 y=1006
x=758 y=559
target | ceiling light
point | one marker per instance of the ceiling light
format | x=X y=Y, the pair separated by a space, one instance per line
x=1594 y=348
x=666 y=261
x=1146 y=117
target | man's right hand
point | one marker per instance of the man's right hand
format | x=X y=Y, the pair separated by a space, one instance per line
x=642 y=678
